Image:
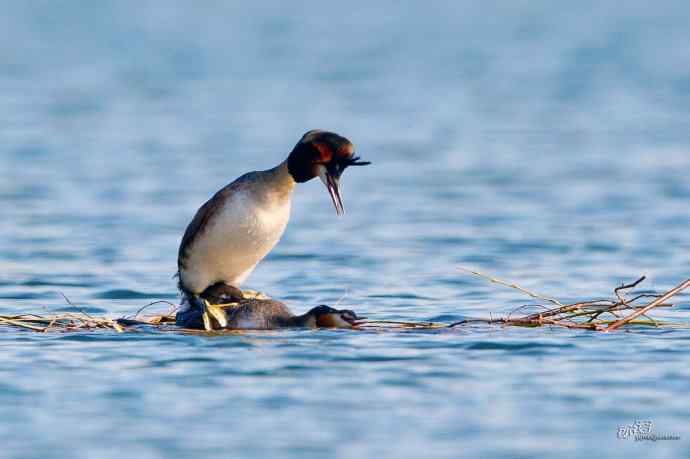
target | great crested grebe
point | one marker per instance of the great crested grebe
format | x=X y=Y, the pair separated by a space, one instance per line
x=270 y=314
x=235 y=229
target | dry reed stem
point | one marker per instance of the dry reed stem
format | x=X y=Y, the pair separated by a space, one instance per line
x=512 y=285
x=397 y=324
x=653 y=304
x=623 y=287
x=19 y=323
x=565 y=315
x=173 y=306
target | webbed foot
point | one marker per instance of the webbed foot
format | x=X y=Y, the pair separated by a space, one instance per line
x=207 y=311
x=201 y=315
x=212 y=314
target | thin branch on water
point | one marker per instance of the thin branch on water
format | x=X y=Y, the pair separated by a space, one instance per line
x=627 y=287
x=344 y=295
x=668 y=295
x=511 y=285
x=172 y=305
x=73 y=305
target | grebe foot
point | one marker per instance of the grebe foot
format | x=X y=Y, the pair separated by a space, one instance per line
x=211 y=312
x=201 y=315
x=254 y=295
x=222 y=293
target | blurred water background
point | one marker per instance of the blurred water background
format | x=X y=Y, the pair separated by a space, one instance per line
x=544 y=142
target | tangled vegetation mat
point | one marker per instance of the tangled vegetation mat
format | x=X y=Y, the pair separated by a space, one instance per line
x=623 y=309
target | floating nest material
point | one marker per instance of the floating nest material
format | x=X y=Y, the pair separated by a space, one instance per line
x=624 y=309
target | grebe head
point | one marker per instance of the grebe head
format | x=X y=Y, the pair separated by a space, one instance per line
x=325 y=155
x=325 y=316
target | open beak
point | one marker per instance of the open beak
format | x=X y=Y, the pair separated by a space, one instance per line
x=332 y=184
x=351 y=318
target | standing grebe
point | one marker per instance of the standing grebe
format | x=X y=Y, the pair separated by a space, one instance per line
x=234 y=230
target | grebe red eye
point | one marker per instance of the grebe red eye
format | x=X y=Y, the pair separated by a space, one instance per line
x=325 y=153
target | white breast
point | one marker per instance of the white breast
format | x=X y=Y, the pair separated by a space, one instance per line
x=240 y=235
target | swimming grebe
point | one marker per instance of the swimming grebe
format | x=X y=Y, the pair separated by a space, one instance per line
x=271 y=314
x=242 y=222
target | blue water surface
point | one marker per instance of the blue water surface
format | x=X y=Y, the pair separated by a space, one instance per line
x=543 y=142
